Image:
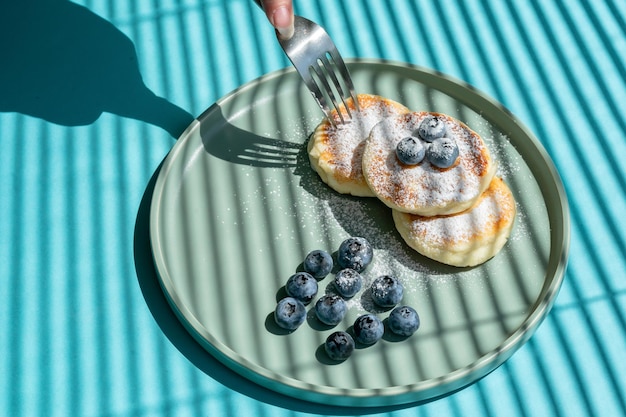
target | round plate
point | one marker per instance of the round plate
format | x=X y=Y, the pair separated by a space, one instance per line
x=236 y=208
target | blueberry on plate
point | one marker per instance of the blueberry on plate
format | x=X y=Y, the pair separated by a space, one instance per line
x=302 y=286
x=330 y=309
x=339 y=346
x=318 y=263
x=410 y=151
x=348 y=282
x=387 y=291
x=443 y=152
x=289 y=313
x=368 y=329
x=431 y=128
x=355 y=253
x=403 y=321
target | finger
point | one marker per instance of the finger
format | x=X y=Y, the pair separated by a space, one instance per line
x=280 y=15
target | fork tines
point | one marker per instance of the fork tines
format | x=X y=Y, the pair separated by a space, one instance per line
x=314 y=55
x=330 y=66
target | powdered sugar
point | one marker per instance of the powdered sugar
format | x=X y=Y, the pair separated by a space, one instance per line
x=422 y=187
x=466 y=226
x=345 y=142
x=337 y=216
x=344 y=216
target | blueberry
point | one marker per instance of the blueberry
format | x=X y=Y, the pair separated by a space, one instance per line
x=330 y=309
x=339 y=346
x=431 y=128
x=348 y=282
x=442 y=152
x=403 y=321
x=355 y=253
x=387 y=291
x=410 y=151
x=368 y=329
x=302 y=286
x=318 y=263
x=289 y=313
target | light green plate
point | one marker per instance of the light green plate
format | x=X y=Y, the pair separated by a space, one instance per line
x=236 y=208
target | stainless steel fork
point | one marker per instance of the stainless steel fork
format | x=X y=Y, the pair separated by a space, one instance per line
x=314 y=55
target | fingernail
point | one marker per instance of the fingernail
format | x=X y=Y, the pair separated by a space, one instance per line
x=283 y=22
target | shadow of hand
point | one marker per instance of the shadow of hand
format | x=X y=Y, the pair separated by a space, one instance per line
x=66 y=65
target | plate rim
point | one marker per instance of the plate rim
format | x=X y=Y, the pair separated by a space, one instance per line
x=395 y=395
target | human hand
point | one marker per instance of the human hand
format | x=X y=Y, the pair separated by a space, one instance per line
x=280 y=15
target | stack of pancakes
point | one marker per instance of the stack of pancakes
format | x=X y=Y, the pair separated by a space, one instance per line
x=461 y=215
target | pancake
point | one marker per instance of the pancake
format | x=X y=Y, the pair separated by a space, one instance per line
x=335 y=152
x=425 y=189
x=465 y=239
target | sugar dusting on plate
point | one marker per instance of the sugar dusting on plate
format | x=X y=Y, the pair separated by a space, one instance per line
x=331 y=216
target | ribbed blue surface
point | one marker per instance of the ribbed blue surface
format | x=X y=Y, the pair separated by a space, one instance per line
x=81 y=137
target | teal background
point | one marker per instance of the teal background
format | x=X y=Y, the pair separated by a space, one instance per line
x=92 y=97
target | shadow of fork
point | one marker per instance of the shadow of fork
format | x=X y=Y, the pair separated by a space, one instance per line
x=226 y=141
